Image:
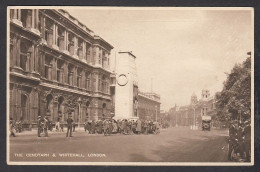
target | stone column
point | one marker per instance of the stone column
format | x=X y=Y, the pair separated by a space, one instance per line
x=96 y=55
x=33 y=19
x=36 y=60
x=19 y=14
x=29 y=19
x=18 y=51
x=100 y=57
x=37 y=19
x=66 y=40
x=75 y=47
x=74 y=82
x=90 y=55
x=65 y=75
x=14 y=53
x=15 y=12
x=54 y=34
x=31 y=68
x=54 y=73
x=83 y=79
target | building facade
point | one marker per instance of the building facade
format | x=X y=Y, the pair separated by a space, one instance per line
x=191 y=114
x=148 y=106
x=57 y=65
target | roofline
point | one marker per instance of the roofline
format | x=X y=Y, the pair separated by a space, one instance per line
x=129 y=52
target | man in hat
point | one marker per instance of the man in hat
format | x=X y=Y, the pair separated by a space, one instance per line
x=40 y=125
x=45 y=125
x=11 y=127
x=247 y=135
x=69 y=124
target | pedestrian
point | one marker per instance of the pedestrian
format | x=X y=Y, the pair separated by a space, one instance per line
x=74 y=126
x=57 y=125
x=62 y=126
x=20 y=125
x=40 y=125
x=85 y=125
x=123 y=126
x=45 y=125
x=12 y=127
x=69 y=125
x=115 y=128
x=247 y=135
x=138 y=126
x=92 y=127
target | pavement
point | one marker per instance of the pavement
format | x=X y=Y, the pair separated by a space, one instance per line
x=179 y=144
x=34 y=132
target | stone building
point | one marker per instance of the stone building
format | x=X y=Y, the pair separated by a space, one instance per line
x=192 y=114
x=148 y=106
x=57 y=64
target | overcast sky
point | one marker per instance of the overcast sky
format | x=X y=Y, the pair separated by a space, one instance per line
x=183 y=51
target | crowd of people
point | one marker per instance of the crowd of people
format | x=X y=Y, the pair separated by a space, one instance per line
x=123 y=126
x=239 y=141
x=105 y=126
x=15 y=126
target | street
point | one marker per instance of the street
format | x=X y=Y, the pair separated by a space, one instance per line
x=171 y=145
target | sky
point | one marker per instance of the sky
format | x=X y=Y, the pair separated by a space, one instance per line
x=179 y=51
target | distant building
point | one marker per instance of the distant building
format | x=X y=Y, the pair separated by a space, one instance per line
x=148 y=106
x=192 y=114
x=59 y=65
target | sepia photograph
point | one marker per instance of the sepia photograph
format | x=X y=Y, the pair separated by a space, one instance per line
x=138 y=86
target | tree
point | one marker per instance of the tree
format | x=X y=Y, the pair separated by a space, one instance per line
x=234 y=101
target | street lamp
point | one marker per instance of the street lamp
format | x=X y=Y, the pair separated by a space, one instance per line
x=194 y=114
x=79 y=101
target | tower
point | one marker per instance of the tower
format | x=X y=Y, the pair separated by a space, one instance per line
x=193 y=99
x=205 y=94
x=126 y=97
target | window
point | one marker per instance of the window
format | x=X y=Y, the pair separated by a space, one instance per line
x=48 y=31
x=26 y=18
x=79 y=50
x=99 y=58
x=48 y=67
x=99 y=83
x=25 y=55
x=104 y=85
x=79 y=77
x=88 y=46
x=103 y=58
x=13 y=14
x=70 y=75
x=60 y=71
x=71 y=44
x=87 y=81
x=60 y=43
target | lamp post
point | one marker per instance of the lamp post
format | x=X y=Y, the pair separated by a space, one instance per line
x=79 y=101
x=194 y=115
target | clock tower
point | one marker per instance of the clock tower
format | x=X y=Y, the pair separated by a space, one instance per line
x=126 y=93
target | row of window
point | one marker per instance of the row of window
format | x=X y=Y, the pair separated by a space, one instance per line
x=54 y=69
x=57 y=36
x=72 y=74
